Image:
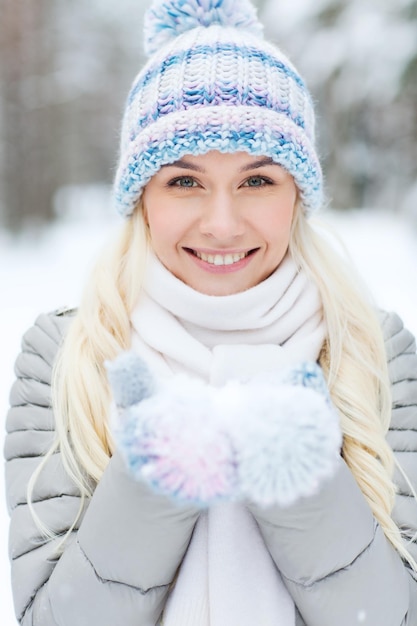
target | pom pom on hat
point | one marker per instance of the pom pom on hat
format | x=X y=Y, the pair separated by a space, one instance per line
x=167 y=19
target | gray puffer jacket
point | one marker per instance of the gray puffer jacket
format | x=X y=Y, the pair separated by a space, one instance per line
x=120 y=560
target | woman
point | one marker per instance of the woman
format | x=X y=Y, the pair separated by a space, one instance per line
x=230 y=480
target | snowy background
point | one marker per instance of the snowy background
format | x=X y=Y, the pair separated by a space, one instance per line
x=65 y=69
x=45 y=273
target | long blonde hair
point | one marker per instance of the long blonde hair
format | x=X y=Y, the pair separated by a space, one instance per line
x=353 y=360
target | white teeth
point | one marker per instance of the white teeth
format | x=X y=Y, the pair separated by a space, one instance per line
x=219 y=259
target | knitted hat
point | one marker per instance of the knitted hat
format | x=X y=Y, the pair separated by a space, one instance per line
x=213 y=83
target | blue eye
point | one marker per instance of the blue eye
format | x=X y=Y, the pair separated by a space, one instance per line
x=183 y=181
x=257 y=181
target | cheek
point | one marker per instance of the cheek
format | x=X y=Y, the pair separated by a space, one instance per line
x=276 y=226
x=161 y=234
x=156 y=216
x=165 y=229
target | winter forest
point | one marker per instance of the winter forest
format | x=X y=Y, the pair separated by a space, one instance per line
x=65 y=70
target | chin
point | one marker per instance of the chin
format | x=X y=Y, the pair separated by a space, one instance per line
x=221 y=290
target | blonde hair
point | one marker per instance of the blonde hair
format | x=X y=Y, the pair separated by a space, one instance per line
x=353 y=360
x=355 y=365
x=80 y=392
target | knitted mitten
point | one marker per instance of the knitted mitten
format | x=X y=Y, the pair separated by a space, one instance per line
x=286 y=435
x=170 y=433
x=271 y=440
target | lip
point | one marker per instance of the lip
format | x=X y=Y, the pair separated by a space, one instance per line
x=221 y=269
x=221 y=251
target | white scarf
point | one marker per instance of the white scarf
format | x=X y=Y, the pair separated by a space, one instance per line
x=227 y=577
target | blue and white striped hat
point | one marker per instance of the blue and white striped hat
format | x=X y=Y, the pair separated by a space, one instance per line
x=213 y=83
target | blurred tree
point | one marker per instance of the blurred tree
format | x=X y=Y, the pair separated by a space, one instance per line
x=358 y=57
x=408 y=140
x=28 y=172
x=64 y=71
x=65 y=68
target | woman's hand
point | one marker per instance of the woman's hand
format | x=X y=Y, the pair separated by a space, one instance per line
x=290 y=438
x=171 y=434
x=270 y=440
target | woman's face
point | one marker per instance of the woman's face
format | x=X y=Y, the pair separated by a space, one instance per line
x=220 y=222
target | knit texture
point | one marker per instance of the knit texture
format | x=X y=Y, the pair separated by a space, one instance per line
x=165 y=19
x=270 y=440
x=213 y=83
x=130 y=380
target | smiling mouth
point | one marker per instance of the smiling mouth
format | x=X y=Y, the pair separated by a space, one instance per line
x=221 y=259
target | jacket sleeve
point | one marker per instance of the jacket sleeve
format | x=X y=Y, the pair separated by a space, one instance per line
x=121 y=557
x=334 y=557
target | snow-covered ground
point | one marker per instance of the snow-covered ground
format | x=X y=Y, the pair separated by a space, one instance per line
x=46 y=272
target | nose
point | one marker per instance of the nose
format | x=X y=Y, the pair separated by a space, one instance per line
x=221 y=218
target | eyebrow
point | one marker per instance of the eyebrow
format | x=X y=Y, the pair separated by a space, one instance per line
x=185 y=165
x=256 y=164
x=253 y=165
